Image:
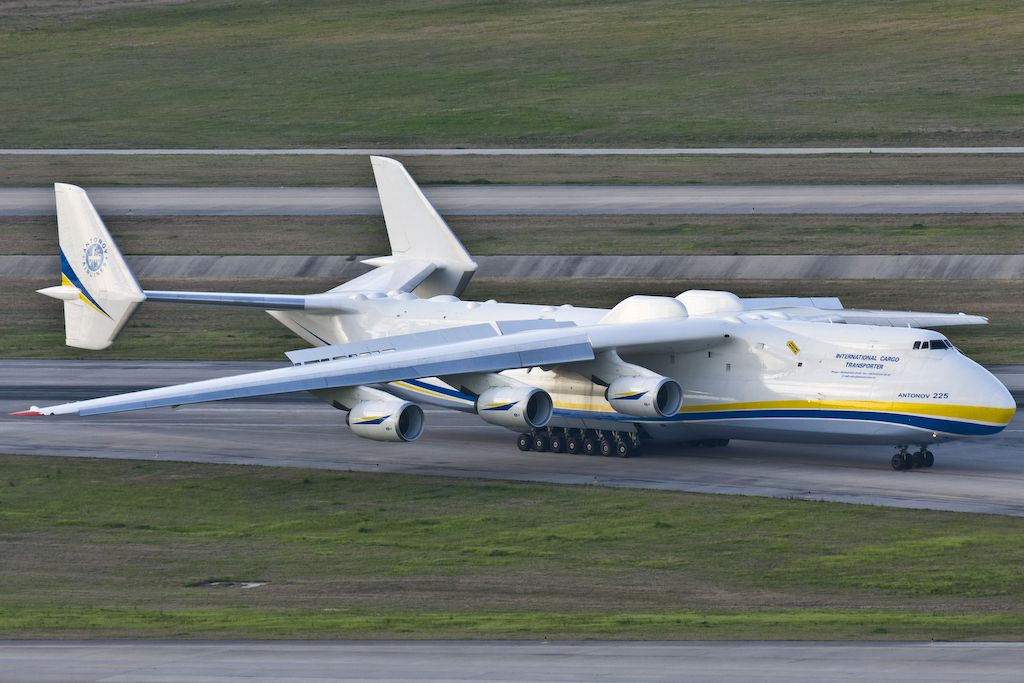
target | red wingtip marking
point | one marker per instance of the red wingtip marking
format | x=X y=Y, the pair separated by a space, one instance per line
x=27 y=413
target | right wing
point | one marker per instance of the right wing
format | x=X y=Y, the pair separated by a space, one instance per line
x=830 y=309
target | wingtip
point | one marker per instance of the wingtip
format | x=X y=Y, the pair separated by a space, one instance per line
x=33 y=412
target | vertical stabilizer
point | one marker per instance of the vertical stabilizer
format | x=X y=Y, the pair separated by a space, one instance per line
x=99 y=291
x=417 y=231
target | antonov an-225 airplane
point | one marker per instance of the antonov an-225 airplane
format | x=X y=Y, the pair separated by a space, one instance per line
x=703 y=367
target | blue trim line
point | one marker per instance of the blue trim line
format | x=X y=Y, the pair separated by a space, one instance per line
x=377 y=421
x=441 y=390
x=929 y=423
x=504 y=407
x=69 y=272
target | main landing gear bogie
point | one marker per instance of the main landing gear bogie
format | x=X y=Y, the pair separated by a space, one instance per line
x=905 y=460
x=580 y=441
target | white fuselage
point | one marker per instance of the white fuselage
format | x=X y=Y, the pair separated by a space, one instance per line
x=770 y=379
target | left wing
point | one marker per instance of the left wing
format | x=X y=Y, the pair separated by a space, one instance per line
x=408 y=357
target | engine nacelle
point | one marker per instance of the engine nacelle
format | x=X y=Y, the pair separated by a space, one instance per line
x=386 y=420
x=521 y=408
x=652 y=396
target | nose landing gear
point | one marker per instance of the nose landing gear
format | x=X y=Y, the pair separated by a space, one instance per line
x=904 y=460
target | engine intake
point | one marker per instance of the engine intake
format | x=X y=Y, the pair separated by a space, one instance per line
x=521 y=408
x=386 y=420
x=645 y=396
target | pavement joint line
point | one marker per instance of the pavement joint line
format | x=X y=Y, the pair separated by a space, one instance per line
x=512 y=151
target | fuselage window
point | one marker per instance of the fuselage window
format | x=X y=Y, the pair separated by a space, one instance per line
x=917 y=345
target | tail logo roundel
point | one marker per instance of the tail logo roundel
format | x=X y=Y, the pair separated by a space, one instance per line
x=94 y=256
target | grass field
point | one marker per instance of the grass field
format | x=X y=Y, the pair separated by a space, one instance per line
x=99 y=548
x=31 y=326
x=488 y=235
x=296 y=73
x=273 y=171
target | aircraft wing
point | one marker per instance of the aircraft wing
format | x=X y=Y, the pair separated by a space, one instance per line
x=909 y=318
x=830 y=310
x=408 y=357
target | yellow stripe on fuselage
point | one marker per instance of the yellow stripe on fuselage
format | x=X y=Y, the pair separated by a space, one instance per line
x=996 y=416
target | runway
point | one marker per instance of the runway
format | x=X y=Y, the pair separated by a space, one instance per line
x=577 y=200
x=984 y=475
x=513 y=151
x=612 y=662
x=534 y=267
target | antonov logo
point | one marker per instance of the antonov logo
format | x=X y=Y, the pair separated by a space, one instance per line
x=94 y=256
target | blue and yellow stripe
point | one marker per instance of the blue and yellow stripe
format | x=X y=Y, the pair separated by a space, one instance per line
x=69 y=278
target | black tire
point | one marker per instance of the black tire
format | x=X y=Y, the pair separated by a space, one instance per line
x=589 y=447
x=557 y=443
x=929 y=458
x=573 y=445
x=623 y=449
x=540 y=443
x=605 y=447
x=917 y=460
x=898 y=462
x=524 y=442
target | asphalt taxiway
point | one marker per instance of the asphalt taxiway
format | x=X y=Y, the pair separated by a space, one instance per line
x=612 y=662
x=982 y=475
x=552 y=200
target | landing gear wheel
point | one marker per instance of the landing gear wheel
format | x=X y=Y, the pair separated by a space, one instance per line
x=557 y=443
x=929 y=459
x=589 y=447
x=899 y=461
x=917 y=460
x=573 y=445
x=623 y=449
x=524 y=442
x=605 y=446
x=540 y=443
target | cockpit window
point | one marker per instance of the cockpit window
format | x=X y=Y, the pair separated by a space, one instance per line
x=933 y=344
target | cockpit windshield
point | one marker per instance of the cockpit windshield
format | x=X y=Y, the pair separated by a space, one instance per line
x=933 y=345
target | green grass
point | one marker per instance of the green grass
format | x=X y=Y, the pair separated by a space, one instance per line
x=292 y=73
x=273 y=171
x=31 y=326
x=102 y=548
x=490 y=235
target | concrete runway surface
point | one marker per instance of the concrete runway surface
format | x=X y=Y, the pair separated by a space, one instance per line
x=982 y=475
x=613 y=662
x=514 y=151
x=535 y=267
x=537 y=200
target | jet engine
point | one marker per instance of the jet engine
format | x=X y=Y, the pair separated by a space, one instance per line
x=516 y=407
x=386 y=420
x=650 y=396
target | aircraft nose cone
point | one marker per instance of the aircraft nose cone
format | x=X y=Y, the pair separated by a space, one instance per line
x=1000 y=400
